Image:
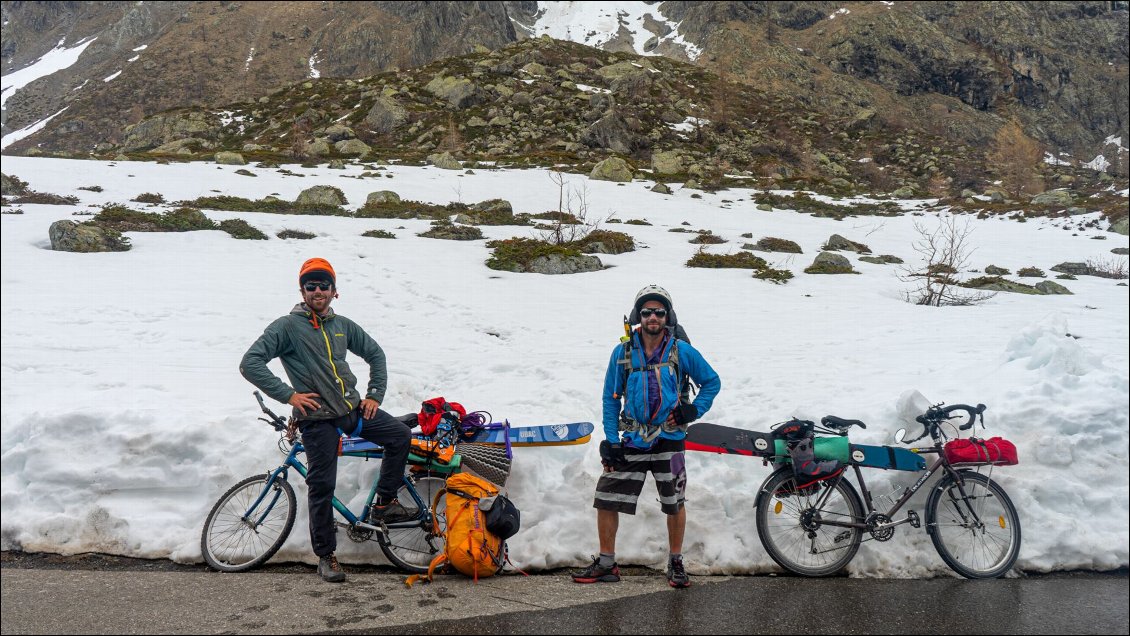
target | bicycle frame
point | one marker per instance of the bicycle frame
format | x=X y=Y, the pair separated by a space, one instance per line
x=939 y=463
x=353 y=520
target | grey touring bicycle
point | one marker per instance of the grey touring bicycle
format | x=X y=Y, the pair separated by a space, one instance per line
x=816 y=529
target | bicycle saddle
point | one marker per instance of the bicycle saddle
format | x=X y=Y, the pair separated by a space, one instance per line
x=831 y=421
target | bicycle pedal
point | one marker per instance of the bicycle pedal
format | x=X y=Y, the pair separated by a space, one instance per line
x=912 y=517
x=843 y=536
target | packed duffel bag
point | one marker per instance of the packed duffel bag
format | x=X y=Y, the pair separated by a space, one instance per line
x=995 y=450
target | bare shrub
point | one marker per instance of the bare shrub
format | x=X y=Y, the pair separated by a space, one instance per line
x=1111 y=267
x=572 y=222
x=945 y=252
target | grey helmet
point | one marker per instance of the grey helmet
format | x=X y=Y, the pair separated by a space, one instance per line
x=653 y=292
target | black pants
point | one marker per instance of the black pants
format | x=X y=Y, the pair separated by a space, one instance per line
x=320 y=437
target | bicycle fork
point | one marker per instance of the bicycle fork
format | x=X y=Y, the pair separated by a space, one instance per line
x=271 y=486
x=972 y=520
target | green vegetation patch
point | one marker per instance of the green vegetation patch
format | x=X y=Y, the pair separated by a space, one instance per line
x=516 y=254
x=828 y=268
x=774 y=244
x=269 y=204
x=382 y=234
x=805 y=203
x=409 y=210
x=240 y=229
x=740 y=260
x=565 y=218
x=612 y=242
x=122 y=219
x=707 y=238
x=149 y=197
x=1031 y=272
x=444 y=229
x=776 y=276
x=997 y=283
x=44 y=198
x=294 y=234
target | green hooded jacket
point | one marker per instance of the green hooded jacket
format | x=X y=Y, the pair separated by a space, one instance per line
x=312 y=350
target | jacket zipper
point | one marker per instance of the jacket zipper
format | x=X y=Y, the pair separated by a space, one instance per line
x=333 y=367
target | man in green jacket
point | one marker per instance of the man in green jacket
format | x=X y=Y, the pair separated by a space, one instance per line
x=311 y=341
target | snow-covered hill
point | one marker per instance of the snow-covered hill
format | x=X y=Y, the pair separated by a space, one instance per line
x=124 y=415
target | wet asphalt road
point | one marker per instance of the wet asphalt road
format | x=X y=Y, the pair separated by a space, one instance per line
x=1078 y=604
x=42 y=594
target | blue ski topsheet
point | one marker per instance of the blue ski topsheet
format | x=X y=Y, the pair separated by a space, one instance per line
x=544 y=435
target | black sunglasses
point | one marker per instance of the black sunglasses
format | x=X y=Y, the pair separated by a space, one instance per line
x=659 y=313
x=323 y=286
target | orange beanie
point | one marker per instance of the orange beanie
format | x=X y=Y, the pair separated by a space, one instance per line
x=314 y=269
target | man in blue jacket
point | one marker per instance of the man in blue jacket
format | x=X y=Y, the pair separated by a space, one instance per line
x=645 y=423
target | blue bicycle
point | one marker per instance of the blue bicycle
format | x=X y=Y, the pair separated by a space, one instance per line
x=253 y=519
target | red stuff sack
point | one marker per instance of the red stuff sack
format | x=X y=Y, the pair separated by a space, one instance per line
x=995 y=450
x=434 y=410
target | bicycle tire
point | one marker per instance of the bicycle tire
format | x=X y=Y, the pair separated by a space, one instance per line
x=230 y=543
x=976 y=550
x=816 y=551
x=412 y=546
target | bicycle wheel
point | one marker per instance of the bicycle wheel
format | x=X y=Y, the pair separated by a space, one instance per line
x=237 y=537
x=791 y=524
x=411 y=545
x=977 y=533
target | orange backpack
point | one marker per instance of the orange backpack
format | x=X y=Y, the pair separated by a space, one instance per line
x=470 y=548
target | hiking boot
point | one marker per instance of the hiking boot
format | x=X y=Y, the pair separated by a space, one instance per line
x=388 y=513
x=330 y=570
x=596 y=573
x=676 y=575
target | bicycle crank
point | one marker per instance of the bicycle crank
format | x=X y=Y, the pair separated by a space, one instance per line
x=880 y=527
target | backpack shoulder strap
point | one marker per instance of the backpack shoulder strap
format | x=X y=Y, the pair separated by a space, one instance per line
x=626 y=365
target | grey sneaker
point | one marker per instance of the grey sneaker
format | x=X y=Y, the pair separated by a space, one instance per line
x=596 y=573
x=676 y=575
x=330 y=570
x=389 y=513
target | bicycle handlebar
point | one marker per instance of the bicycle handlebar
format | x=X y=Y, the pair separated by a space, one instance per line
x=276 y=422
x=935 y=414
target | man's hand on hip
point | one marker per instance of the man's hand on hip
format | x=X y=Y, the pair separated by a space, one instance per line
x=369 y=408
x=303 y=401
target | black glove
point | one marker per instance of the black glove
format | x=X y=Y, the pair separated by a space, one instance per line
x=612 y=455
x=685 y=414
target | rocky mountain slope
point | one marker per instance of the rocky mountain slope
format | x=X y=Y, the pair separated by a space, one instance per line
x=955 y=70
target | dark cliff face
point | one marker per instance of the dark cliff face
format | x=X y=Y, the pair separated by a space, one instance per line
x=962 y=68
x=212 y=53
x=1060 y=68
